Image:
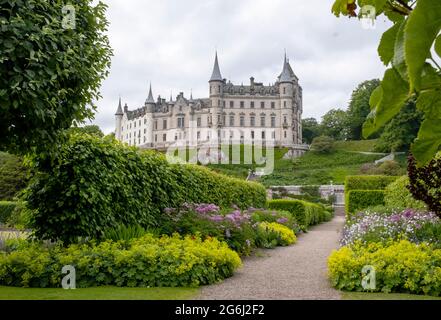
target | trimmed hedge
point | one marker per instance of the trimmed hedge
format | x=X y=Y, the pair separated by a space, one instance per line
x=6 y=210
x=398 y=196
x=306 y=213
x=368 y=182
x=147 y=261
x=94 y=184
x=361 y=199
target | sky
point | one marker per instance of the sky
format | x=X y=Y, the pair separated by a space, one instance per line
x=171 y=44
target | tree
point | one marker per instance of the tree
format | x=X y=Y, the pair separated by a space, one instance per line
x=412 y=70
x=93 y=130
x=399 y=133
x=359 y=108
x=322 y=144
x=53 y=58
x=310 y=129
x=334 y=124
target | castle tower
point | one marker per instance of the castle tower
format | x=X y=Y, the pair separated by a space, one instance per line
x=216 y=94
x=286 y=91
x=150 y=106
x=118 y=121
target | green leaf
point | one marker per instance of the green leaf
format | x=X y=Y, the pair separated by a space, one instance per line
x=430 y=78
x=398 y=60
x=423 y=26
x=428 y=141
x=341 y=7
x=376 y=96
x=429 y=102
x=387 y=44
x=394 y=94
x=438 y=46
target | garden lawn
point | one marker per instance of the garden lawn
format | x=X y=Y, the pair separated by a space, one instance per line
x=97 y=293
x=356 y=145
x=384 y=296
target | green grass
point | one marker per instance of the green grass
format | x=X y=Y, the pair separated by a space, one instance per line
x=317 y=169
x=384 y=296
x=357 y=145
x=98 y=293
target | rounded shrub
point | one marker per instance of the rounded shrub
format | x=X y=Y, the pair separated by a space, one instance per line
x=397 y=195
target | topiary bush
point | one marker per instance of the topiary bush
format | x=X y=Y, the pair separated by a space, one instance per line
x=322 y=144
x=361 y=199
x=397 y=195
x=146 y=261
x=93 y=184
x=378 y=182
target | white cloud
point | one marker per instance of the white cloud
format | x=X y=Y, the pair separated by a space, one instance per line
x=172 y=42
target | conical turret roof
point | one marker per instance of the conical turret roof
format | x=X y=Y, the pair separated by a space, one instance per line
x=150 y=97
x=216 y=75
x=119 y=111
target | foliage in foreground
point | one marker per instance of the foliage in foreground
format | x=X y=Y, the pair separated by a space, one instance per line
x=412 y=73
x=50 y=73
x=399 y=267
x=94 y=184
x=146 y=261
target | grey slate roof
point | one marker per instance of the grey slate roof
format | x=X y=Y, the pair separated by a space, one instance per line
x=150 y=97
x=285 y=76
x=119 y=111
x=216 y=75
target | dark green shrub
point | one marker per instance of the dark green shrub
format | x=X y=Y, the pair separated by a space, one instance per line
x=94 y=184
x=398 y=195
x=368 y=182
x=20 y=217
x=306 y=213
x=322 y=144
x=123 y=232
x=361 y=199
x=13 y=176
x=6 y=210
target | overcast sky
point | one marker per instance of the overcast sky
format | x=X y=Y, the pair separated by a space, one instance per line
x=172 y=43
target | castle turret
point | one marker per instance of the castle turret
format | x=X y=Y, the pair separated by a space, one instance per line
x=118 y=121
x=286 y=91
x=150 y=106
x=216 y=93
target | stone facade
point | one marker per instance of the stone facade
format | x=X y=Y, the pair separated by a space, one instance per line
x=253 y=113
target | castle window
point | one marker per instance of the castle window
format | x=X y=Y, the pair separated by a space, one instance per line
x=273 y=104
x=176 y=137
x=262 y=121
x=284 y=90
x=284 y=104
x=140 y=122
x=263 y=135
x=156 y=124
x=219 y=119
x=231 y=134
x=242 y=104
x=156 y=138
x=199 y=135
x=252 y=135
x=145 y=130
x=252 y=121
x=231 y=104
x=242 y=121
x=284 y=133
x=262 y=105
x=252 y=104
x=180 y=108
x=273 y=134
x=134 y=124
x=145 y=121
x=164 y=137
x=284 y=120
x=273 y=122
x=231 y=120
x=164 y=124
x=223 y=103
x=130 y=125
x=122 y=128
x=198 y=122
x=144 y=139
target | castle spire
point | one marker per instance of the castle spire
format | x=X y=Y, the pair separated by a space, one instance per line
x=216 y=75
x=285 y=76
x=150 y=97
x=119 y=111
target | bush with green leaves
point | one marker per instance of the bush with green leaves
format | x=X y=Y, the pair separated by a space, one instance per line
x=50 y=70
x=6 y=210
x=306 y=213
x=378 y=182
x=282 y=217
x=272 y=234
x=397 y=195
x=322 y=144
x=93 y=184
x=13 y=176
x=356 y=200
x=147 y=261
x=399 y=267
x=20 y=217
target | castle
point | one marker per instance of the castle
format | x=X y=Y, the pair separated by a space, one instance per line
x=244 y=114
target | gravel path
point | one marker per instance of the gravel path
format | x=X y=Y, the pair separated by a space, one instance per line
x=295 y=272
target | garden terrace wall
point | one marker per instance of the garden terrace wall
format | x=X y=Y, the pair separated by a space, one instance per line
x=96 y=183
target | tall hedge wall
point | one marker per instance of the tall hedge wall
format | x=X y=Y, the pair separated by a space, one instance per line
x=361 y=199
x=368 y=182
x=96 y=183
x=306 y=213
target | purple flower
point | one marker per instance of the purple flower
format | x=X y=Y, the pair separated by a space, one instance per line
x=282 y=220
